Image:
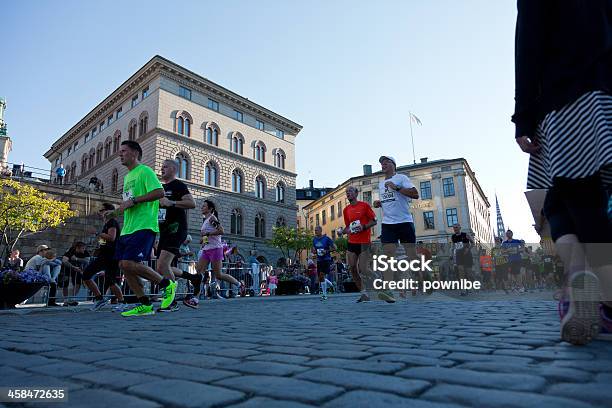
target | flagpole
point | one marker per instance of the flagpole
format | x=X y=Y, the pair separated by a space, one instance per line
x=412 y=138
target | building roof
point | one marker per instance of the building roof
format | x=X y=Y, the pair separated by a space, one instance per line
x=154 y=65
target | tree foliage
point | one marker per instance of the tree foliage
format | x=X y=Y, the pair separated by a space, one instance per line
x=341 y=246
x=25 y=210
x=291 y=241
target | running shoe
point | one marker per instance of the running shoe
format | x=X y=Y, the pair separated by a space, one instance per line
x=169 y=294
x=387 y=296
x=191 y=302
x=99 y=304
x=120 y=307
x=172 y=308
x=323 y=297
x=71 y=303
x=581 y=322
x=363 y=298
x=140 y=310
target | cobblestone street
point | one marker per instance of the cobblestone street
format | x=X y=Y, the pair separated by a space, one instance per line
x=295 y=352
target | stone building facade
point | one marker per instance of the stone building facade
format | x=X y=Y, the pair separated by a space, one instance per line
x=230 y=150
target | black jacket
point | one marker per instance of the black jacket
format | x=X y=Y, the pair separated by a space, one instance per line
x=563 y=49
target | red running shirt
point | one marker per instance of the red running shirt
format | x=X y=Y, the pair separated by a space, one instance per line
x=359 y=211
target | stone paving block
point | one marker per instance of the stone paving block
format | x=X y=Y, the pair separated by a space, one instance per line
x=488 y=357
x=361 y=380
x=340 y=353
x=35 y=348
x=549 y=372
x=197 y=374
x=412 y=360
x=594 y=393
x=261 y=402
x=186 y=393
x=281 y=387
x=343 y=346
x=597 y=366
x=604 y=378
x=85 y=356
x=94 y=398
x=21 y=360
x=482 y=397
x=547 y=354
x=134 y=363
x=368 y=399
x=460 y=348
x=117 y=379
x=359 y=365
x=232 y=353
x=199 y=360
x=63 y=369
x=517 y=382
x=280 y=358
x=267 y=368
x=37 y=380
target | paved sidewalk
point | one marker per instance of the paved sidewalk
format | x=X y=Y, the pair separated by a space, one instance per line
x=302 y=352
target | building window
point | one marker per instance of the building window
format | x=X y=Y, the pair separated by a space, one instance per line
x=68 y=152
x=279 y=159
x=332 y=213
x=116 y=141
x=311 y=223
x=183 y=124
x=107 y=147
x=445 y=168
x=318 y=221
x=86 y=137
x=92 y=156
x=238 y=116
x=340 y=210
x=114 y=180
x=448 y=187
x=109 y=120
x=144 y=120
x=323 y=217
x=237 y=144
x=280 y=192
x=451 y=217
x=236 y=222
x=84 y=164
x=145 y=92
x=259 y=124
x=183 y=163
x=428 y=219
x=260 y=187
x=134 y=100
x=119 y=113
x=425 y=190
x=280 y=222
x=102 y=126
x=260 y=152
x=211 y=175
x=73 y=170
x=367 y=197
x=76 y=145
x=99 y=150
x=334 y=234
x=185 y=92
x=237 y=181
x=280 y=134
x=212 y=104
x=212 y=134
x=94 y=131
x=260 y=226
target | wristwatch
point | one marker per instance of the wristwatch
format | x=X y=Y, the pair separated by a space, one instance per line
x=398 y=188
x=133 y=200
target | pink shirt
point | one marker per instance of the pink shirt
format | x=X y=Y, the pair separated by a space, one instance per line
x=273 y=279
x=214 y=241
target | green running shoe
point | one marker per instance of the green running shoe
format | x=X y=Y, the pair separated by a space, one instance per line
x=169 y=293
x=387 y=296
x=140 y=310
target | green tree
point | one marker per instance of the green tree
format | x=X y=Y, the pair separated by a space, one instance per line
x=341 y=247
x=291 y=241
x=25 y=210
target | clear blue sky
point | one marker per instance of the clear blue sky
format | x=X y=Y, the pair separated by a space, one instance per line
x=348 y=71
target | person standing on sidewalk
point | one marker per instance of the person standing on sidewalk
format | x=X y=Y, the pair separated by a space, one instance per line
x=172 y=219
x=61 y=173
x=141 y=193
x=396 y=192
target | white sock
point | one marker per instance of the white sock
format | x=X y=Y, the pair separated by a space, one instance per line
x=324 y=287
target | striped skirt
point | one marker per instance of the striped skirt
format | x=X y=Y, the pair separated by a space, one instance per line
x=576 y=142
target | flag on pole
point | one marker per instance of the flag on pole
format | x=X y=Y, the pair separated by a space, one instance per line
x=414 y=119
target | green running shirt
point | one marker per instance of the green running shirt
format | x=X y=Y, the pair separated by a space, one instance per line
x=140 y=181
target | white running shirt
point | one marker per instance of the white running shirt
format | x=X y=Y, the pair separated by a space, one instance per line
x=395 y=205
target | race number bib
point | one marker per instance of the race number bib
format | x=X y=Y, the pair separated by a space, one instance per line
x=161 y=215
x=127 y=195
x=458 y=246
x=354 y=225
x=320 y=251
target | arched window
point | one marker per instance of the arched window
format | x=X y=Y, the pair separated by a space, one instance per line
x=279 y=159
x=114 y=180
x=184 y=167
x=280 y=222
x=116 y=141
x=183 y=123
x=237 y=143
x=73 y=171
x=280 y=192
x=260 y=226
x=132 y=130
x=144 y=123
x=260 y=152
x=237 y=181
x=92 y=156
x=99 y=150
x=84 y=164
x=211 y=174
x=260 y=187
x=212 y=134
x=107 y=147
x=236 y=222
